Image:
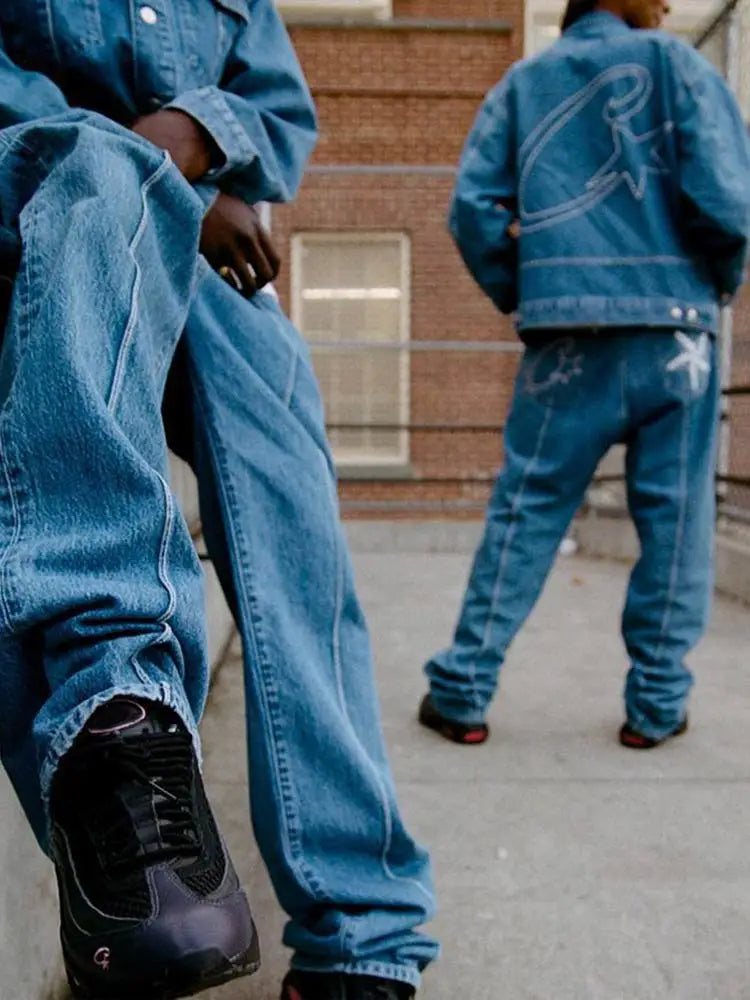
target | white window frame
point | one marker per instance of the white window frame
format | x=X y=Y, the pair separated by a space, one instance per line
x=306 y=238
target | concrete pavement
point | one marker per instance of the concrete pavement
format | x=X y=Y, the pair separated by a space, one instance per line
x=567 y=867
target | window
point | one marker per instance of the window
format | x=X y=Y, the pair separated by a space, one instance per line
x=311 y=10
x=350 y=298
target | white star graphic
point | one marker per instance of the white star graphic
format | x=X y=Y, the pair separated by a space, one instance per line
x=626 y=154
x=693 y=358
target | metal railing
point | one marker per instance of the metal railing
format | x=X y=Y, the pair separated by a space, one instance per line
x=723 y=40
x=456 y=488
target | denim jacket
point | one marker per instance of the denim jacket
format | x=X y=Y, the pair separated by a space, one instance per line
x=626 y=159
x=227 y=63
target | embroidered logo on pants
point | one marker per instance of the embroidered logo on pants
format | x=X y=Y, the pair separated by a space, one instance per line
x=693 y=358
x=556 y=364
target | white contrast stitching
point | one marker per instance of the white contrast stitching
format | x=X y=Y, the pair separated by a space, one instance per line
x=119 y=373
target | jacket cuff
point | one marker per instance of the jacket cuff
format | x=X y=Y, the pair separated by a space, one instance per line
x=208 y=193
x=210 y=108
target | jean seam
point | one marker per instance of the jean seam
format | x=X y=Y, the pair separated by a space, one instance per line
x=163 y=567
x=366 y=967
x=52 y=33
x=5 y=601
x=119 y=372
x=247 y=598
x=679 y=532
x=292 y=380
x=382 y=792
x=23 y=322
x=509 y=536
x=338 y=605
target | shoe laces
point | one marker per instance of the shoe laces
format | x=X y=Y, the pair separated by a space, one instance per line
x=146 y=814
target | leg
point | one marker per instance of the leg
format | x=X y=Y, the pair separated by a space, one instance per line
x=103 y=665
x=94 y=552
x=552 y=448
x=670 y=474
x=353 y=882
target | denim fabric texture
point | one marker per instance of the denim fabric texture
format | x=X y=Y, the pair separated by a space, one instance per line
x=575 y=397
x=100 y=589
x=627 y=161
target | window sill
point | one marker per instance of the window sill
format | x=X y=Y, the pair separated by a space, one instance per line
x=395 y=472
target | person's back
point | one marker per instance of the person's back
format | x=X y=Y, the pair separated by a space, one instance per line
x=604 y=195
x=630 y=167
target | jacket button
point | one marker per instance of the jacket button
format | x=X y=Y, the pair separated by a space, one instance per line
x=148 y=15
x=692 y=315
x=676 y=313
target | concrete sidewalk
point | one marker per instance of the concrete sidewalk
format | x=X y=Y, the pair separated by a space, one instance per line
x=567 y=867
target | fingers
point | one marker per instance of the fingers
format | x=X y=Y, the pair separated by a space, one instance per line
x=240 y=275
x=269 y=250
x=227 y=273
x=235 y=242
x=245 y=274
x=257 y=248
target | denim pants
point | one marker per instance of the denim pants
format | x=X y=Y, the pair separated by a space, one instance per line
x=576 y=396
x=100 y=589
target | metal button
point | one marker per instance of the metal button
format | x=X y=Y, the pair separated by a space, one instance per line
x=148 y=15
x=692 y=315
x=676 y=313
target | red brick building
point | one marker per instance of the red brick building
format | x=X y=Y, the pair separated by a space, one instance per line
x=401 y=337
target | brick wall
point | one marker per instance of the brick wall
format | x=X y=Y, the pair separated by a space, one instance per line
x=739 y=406
x=396 y=95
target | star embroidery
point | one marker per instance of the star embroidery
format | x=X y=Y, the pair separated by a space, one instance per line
x=693 y=358
x=620 y=165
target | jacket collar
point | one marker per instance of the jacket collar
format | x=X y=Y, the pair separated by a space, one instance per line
x=597 y=24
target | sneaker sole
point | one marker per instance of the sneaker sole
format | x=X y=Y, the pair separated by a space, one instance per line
x=634 y=740
x=176 y=983
x=456 y=732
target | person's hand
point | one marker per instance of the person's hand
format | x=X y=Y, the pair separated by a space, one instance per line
x=235 y=243
x=187 y=142
x=509 y=204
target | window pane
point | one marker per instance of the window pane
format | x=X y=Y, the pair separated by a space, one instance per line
x=350 y=290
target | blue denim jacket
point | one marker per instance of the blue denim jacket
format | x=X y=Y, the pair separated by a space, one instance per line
x=626 y=159
x=227 y=63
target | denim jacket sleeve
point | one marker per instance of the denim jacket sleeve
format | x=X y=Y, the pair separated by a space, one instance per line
x=713 y=150
x=261 y=116
x=485 y=201
x=25 y=96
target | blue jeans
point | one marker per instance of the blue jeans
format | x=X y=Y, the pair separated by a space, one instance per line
x=100 y=589
x=575 y=397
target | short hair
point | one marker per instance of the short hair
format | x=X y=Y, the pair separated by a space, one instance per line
x=575 y=10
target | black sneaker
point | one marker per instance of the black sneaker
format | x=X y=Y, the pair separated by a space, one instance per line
x=633 y=740
x=457 y=732
x=339 y=986
x=151 y=907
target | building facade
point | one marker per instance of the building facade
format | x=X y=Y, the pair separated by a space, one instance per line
x=416 y=366
x=406 y=348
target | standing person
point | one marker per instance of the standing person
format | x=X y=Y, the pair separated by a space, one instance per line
x=626 y=160
x=110 y=247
